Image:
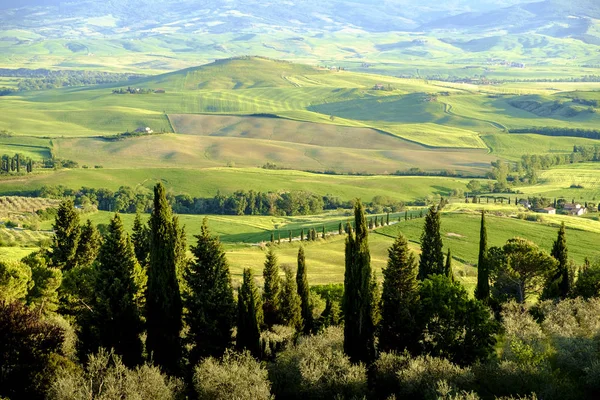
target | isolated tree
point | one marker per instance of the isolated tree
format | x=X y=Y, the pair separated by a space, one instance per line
x=272 y=237
x=250 y=315
x=520 y=270
x=340 y=229
x=359 y=330
x=304 y=292
x=482 y=290
x=387 y=219
x=290 y=237
x=406 y=215
x=272 y=290
x=163 y=300
x=115 y=317
x=398 y=299
x=432 y=256
x=558 y=285
x=89 y=244
x=323 y=233
x=66 y=236
x=291 y=305
x=448 y=267
x=140 y=238
x=302 y=235
x=209 y=298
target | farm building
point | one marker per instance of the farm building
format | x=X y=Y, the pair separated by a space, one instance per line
x=574 y=209
x=547 y=210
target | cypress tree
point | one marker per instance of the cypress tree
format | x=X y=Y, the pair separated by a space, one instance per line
x=89 y=244
x=209 y=298
x=559 y=284
x=406 y=215
x=432 y=256
x=250 y=315
x=323 y=233
x=140 y=238
x=448 y=267
x=330 y=315
x=482 y=291
x=272 y=238
x=18 y=162
x=340 y=229
x=313 y=235
x=163 y=300
x=359 y=335
x=66 y=237
x=399 y=298
x=115 y=316
x=272 y=291
x=302 y=235
x=291 y=305
x=290 y=236
x=304 y=292
x=387 y=219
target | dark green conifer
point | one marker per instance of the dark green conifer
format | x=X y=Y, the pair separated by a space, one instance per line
x=323 y=233
x=250 y=315
x=448 y=267
x=432 y=256
x=559 y=283
x=272 y=237
x=406 y=215
x=340 y=229
x=163 y=299
x=387 y=219
x=302 y=235
x=66 y=237
x=272 y=290
x=359 y=335
x=140 y=238
x=482 y=291
x=304 y=292
x=398 y=300
x=115 y=317
x=209 y=298
x=290 y=237
x=89 y=244
x=291 y=305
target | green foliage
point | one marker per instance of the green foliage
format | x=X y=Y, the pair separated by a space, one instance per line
x=46 y=282
x=399 y=298
x=358 y=303
x=89 y=244
x=208 y=300
x=331 y=315
x=66 y=237
x=317 y=368
x=106 y=377
x=250 y=315
x=291 y=304
x=452 y=325
x=272 y=290
x=163 y=300
x=482 y=291
x=15 y=280
x=140 y=237
x=431 y=260
x=519 y=270
x=588 y=281
x=29 y=352
x=304 y=292
x=115 y=319
x=235 y=376
x=558 y=285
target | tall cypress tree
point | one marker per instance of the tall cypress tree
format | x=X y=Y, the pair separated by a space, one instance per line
x=163 y=300
x=250 y=315
x=66 y=237
x=432 y=255
x=140 y=238
x=115 y=316
x=359 y=330
x=209 y=298
x=448 y=267
x=340 y=229
x=482 y=291
x=398 y=299
x=272 y=291
x=291 y=305
x=89 y=244
x=304 y=292
x=559 y=284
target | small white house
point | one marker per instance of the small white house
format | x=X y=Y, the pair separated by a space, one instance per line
x=547 y=210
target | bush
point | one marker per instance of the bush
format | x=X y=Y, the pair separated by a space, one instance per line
x=274 y=340
x=385 y=373
x=317 y=368
x=106 y=377
x=235 y=376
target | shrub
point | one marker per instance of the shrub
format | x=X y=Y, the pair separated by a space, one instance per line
x=385 y=373
x=235 y=376
x=106 y=377
x=317 y=368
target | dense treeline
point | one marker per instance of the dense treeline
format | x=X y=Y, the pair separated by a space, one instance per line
x=527 y=169
x=129 y=200
x=75 y=320
x=40 y=79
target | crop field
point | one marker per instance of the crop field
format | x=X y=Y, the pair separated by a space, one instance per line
x=557 y=182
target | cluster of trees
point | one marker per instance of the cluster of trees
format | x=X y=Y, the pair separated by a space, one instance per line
x=15 y=163
x=40 y=79
x=558 y=131
x=130 y=90
x=153 y=323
